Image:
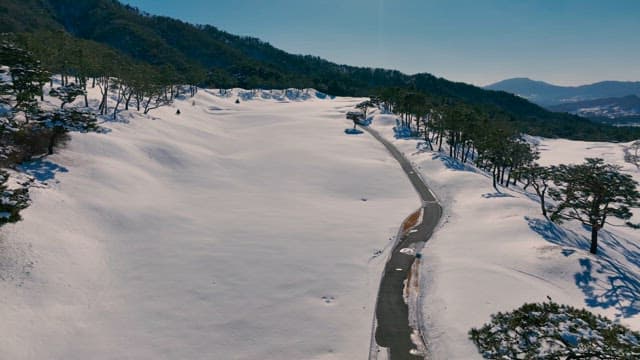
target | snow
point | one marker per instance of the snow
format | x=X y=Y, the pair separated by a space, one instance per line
x=408 y=251
x=254 y=230
x=493 y=251
x=231 y=231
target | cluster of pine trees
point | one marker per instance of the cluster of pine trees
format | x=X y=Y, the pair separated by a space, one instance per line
x=554 y=331
x=28 y=129
x=592 y=193
x=31 y=127
x=473 y=134
x=82 y=63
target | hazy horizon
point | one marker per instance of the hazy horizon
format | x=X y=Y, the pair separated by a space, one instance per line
x=565 y=42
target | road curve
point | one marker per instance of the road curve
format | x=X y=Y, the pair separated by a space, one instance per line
x=392 y=330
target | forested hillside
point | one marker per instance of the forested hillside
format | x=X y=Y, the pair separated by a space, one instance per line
x=207 y=56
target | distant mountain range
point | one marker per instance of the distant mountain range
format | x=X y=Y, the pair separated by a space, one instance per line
x=546 y=94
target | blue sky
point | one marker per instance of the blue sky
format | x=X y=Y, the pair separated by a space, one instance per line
x=566 y=42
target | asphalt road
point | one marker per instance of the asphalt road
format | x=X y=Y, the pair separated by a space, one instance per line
x=392 y=314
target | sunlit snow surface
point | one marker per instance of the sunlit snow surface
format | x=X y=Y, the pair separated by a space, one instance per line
x=239 y=231
x=494 y=251
x=230 y=231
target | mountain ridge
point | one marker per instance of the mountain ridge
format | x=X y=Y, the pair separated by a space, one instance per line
x=207 y=56
x=547 y=94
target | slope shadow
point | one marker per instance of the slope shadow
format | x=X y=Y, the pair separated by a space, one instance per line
x=608 y=280
x=42 y=170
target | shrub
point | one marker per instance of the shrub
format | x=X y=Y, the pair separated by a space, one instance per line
x=11 y=201
x=552 y=331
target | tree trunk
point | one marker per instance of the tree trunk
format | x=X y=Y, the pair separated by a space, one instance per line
x=126 y=104
x=52 y=141
x=495 y=186
x=594 y=239
x=115 y=108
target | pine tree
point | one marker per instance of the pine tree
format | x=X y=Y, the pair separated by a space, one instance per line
x=364 y=107
x=12 y=201
x=355 y=116
x=591 y=193
x=67 y=93
x=59 y=122
x=554 y=331
x=26 y=77
x=539 y=178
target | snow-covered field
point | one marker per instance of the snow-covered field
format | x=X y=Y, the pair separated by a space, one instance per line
x=231 y=231
x=253 y=231
x=494 y=251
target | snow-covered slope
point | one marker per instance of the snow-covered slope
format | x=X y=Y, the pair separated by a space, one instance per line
x=494 y=251
x=231 y=231
x=241 y=231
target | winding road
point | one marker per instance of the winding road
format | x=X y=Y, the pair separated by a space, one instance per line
x=392 y=329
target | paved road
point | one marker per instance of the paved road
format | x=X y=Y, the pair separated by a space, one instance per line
x=392 y=314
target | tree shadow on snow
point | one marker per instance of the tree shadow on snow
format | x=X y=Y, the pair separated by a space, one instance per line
x=607 y=284
x=123 y=117
x=608 y=280
x=497 y=195
x=556 y=234
x=42 y=170
x=453 y=164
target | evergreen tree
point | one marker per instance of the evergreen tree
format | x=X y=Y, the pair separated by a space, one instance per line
x=67 y=93
x=553 y=331
x=60 y=122
x=25 y=79
x=539 y=178
x=364 y=107
x=591 y=193
x=12 y=201
x=355 y=116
